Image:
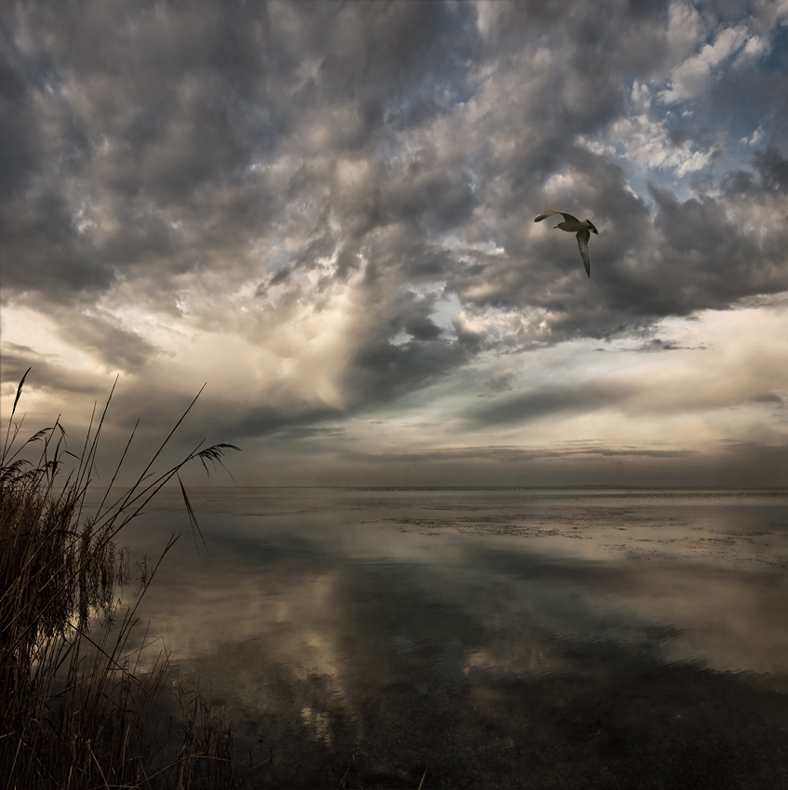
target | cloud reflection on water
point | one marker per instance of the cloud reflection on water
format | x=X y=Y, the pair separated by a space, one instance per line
x=336 y=620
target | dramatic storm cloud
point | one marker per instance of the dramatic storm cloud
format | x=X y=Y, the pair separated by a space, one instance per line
x=325 y=211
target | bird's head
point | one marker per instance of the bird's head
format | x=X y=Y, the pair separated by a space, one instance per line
x=591 y=227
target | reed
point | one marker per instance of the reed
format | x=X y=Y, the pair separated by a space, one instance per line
x=76 y=708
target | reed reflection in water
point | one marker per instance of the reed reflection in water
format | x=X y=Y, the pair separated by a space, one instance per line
x=491 y=637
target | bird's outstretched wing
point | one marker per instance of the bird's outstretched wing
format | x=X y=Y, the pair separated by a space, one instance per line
x=582 y=242
x=551 y=212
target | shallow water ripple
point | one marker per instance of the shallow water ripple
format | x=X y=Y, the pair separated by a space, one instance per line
x=579 y=638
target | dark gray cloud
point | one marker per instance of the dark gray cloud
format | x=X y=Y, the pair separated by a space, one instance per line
x=309 y=432
x=118 y=347
x=264 y=421
x=514 y=455
x=50 y=375
x=384 y=371
x=154 y=116
x=658 y=344
x=247 y=168
x=772 y=398
x=773 y=169
x=551 y=400
x=502 y=381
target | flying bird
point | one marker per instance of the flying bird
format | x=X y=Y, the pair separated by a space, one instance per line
x=572 y=224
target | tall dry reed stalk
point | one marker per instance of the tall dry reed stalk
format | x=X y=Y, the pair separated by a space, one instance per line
x=76 y=709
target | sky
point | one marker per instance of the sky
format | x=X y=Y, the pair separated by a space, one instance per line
x=324 y=212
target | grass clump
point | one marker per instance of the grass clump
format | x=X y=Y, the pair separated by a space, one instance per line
x=76 y=709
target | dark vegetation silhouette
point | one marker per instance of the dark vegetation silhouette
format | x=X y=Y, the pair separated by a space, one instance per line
x=79 y=706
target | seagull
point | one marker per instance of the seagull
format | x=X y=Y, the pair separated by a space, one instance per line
x=570 y=225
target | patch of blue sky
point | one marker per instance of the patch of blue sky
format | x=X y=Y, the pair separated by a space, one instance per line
x=447 y=308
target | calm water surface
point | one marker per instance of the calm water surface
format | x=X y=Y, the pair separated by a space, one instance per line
x=494 y=638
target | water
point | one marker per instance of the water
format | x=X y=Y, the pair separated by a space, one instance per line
x=494 y=638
